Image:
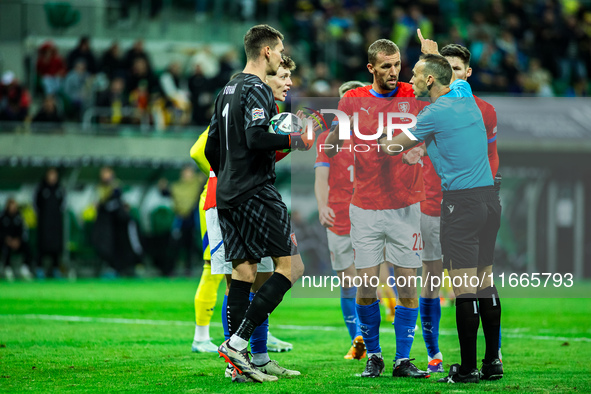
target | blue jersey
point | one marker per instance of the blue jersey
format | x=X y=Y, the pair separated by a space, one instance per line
x=454 y=133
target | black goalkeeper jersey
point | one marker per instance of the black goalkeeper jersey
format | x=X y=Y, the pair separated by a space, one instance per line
x=245 y=102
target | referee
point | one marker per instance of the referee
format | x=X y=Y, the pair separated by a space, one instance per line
x=453 y=131
x=253 y=219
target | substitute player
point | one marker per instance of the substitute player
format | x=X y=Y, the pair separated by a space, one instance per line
x=384 y=209
x=253 y=218
x=333 y=187
x=455 y=137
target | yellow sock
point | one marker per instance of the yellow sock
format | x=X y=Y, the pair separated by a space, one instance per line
x=206 y=296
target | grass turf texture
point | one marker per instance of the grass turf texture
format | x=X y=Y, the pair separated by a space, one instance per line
x=546 y=343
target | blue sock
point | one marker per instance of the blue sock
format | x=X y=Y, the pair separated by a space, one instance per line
x=258 y=340
x=405 y=321
x=430 y=316
x=225 y=318
x=500 y=336
x=349 y=311
x=369 y=324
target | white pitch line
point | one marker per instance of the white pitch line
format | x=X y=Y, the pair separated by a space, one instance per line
x=108 y=320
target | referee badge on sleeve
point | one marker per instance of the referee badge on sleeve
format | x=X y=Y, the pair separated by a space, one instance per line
x=258 y=113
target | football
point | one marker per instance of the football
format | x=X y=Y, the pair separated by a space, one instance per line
x=285 y=123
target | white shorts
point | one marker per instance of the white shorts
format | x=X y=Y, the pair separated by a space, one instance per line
x=398 y=230
x=219 y=265
x=341 y=251
x=430 y=227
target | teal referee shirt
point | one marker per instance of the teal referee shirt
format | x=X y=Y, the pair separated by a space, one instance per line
x=454 y=133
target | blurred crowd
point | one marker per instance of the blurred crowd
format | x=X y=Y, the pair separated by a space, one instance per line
x=109 y=233
x=538 y=47
x=534 y=48
x=116 y=87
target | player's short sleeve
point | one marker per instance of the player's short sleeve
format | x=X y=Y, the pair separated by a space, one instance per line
x=259 y=106
x=322 y=159
x=198 y=152
x=490 y=122
x=425 y=125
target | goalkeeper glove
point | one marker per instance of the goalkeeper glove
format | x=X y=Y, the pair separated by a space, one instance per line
x=300 y=141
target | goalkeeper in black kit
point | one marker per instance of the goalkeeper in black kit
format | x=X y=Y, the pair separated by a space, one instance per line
x=254 y=220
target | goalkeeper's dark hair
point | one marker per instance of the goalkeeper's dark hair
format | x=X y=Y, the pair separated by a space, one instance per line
x=258 y=37
x=438 y=67
x=457 y=50
x=287 y=63
x=382 y=45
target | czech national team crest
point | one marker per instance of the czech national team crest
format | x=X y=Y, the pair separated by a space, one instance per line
x=404 y=106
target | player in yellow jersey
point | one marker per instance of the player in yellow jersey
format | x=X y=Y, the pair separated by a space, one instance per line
x=206 y=295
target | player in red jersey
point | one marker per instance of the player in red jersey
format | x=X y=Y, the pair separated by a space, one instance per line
x=333 y=187
x=384 y=209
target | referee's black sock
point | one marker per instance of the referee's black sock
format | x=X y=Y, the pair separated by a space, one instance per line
x=264 y=302
x=238 y=302
x=490 y=314
x=467 y=321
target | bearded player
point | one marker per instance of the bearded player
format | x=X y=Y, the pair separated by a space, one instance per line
x=430 y=307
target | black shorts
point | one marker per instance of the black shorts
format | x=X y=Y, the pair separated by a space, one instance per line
x=257 y=228
x=470 y=221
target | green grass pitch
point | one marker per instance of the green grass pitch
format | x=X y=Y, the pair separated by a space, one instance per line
x=135 y=336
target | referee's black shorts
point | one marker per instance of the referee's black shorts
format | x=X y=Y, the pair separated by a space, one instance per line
x=257 y=228
x=470 y=221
